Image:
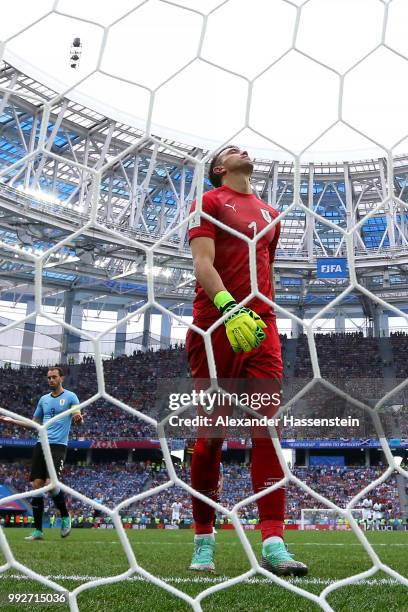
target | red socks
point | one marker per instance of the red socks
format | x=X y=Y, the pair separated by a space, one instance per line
x=265 y=471
x=205 y=471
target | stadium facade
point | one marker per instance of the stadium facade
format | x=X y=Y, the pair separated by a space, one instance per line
x=141 y=198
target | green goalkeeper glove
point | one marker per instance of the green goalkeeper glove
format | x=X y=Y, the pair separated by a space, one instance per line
x=244 y=327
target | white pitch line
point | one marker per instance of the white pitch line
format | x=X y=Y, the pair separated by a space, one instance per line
x=371 y=582
x=237 y=543
x=58 y=542
x=343 y=544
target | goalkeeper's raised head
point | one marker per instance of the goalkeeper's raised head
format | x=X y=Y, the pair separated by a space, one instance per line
x=231 y=161
x=221 y=260
x=248 y=346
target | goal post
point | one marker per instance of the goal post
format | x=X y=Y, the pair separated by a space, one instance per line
x=326 y=518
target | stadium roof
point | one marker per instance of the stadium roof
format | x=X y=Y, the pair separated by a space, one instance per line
x=148 y=191
x=208 y=69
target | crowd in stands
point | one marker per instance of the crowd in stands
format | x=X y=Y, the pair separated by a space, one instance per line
x=341 y=356
x=352 y=363
x=348 y=360
x=340 y=485
x=399 y=342
x=112 y=483
x=109 y=484
x=131 y=379
x=15 y=475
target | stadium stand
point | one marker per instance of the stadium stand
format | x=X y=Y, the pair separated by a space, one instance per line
x=111 y=483
x=134 y=380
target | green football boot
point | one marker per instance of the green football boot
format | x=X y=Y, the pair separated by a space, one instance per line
x=203 y=555
x=65 y=526
x=35 y=535
x=277 y=560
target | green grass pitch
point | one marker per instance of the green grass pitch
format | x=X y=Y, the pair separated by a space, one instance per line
x=91 y=553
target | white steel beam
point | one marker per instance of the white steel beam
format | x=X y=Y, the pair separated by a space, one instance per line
x=389 y=207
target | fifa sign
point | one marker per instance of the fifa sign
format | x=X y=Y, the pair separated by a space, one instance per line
x=332 y=267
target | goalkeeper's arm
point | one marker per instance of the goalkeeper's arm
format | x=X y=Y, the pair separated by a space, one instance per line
x=244 y=327
x=203 y=251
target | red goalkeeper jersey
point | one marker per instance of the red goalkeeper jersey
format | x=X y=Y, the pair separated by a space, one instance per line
x=248 y=215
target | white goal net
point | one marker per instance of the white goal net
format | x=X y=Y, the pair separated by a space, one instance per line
x=253 y=89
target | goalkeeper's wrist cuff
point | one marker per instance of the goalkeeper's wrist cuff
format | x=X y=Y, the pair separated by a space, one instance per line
x=224 y=300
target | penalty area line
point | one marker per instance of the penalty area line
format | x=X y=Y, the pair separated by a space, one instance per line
x=172 y=543
x=345 y=544
x=371 y=582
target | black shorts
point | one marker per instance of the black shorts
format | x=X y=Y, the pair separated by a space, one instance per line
x=38 y=465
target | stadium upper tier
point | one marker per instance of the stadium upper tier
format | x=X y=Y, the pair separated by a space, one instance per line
x=146 y=192
x=142 y=381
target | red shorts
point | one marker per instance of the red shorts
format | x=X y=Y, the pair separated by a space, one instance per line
x=250 y=374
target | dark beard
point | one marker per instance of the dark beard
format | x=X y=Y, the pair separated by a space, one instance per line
x=247 y=166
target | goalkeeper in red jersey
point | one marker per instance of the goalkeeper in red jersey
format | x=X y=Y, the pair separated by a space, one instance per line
x=246 y=347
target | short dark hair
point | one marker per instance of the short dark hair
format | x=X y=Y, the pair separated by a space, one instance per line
x=215 y=179
x=60 y=370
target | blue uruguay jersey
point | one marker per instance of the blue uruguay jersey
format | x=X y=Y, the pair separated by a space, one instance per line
x=48 y=407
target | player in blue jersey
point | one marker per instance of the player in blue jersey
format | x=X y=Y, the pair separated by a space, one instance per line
x=57 y=401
